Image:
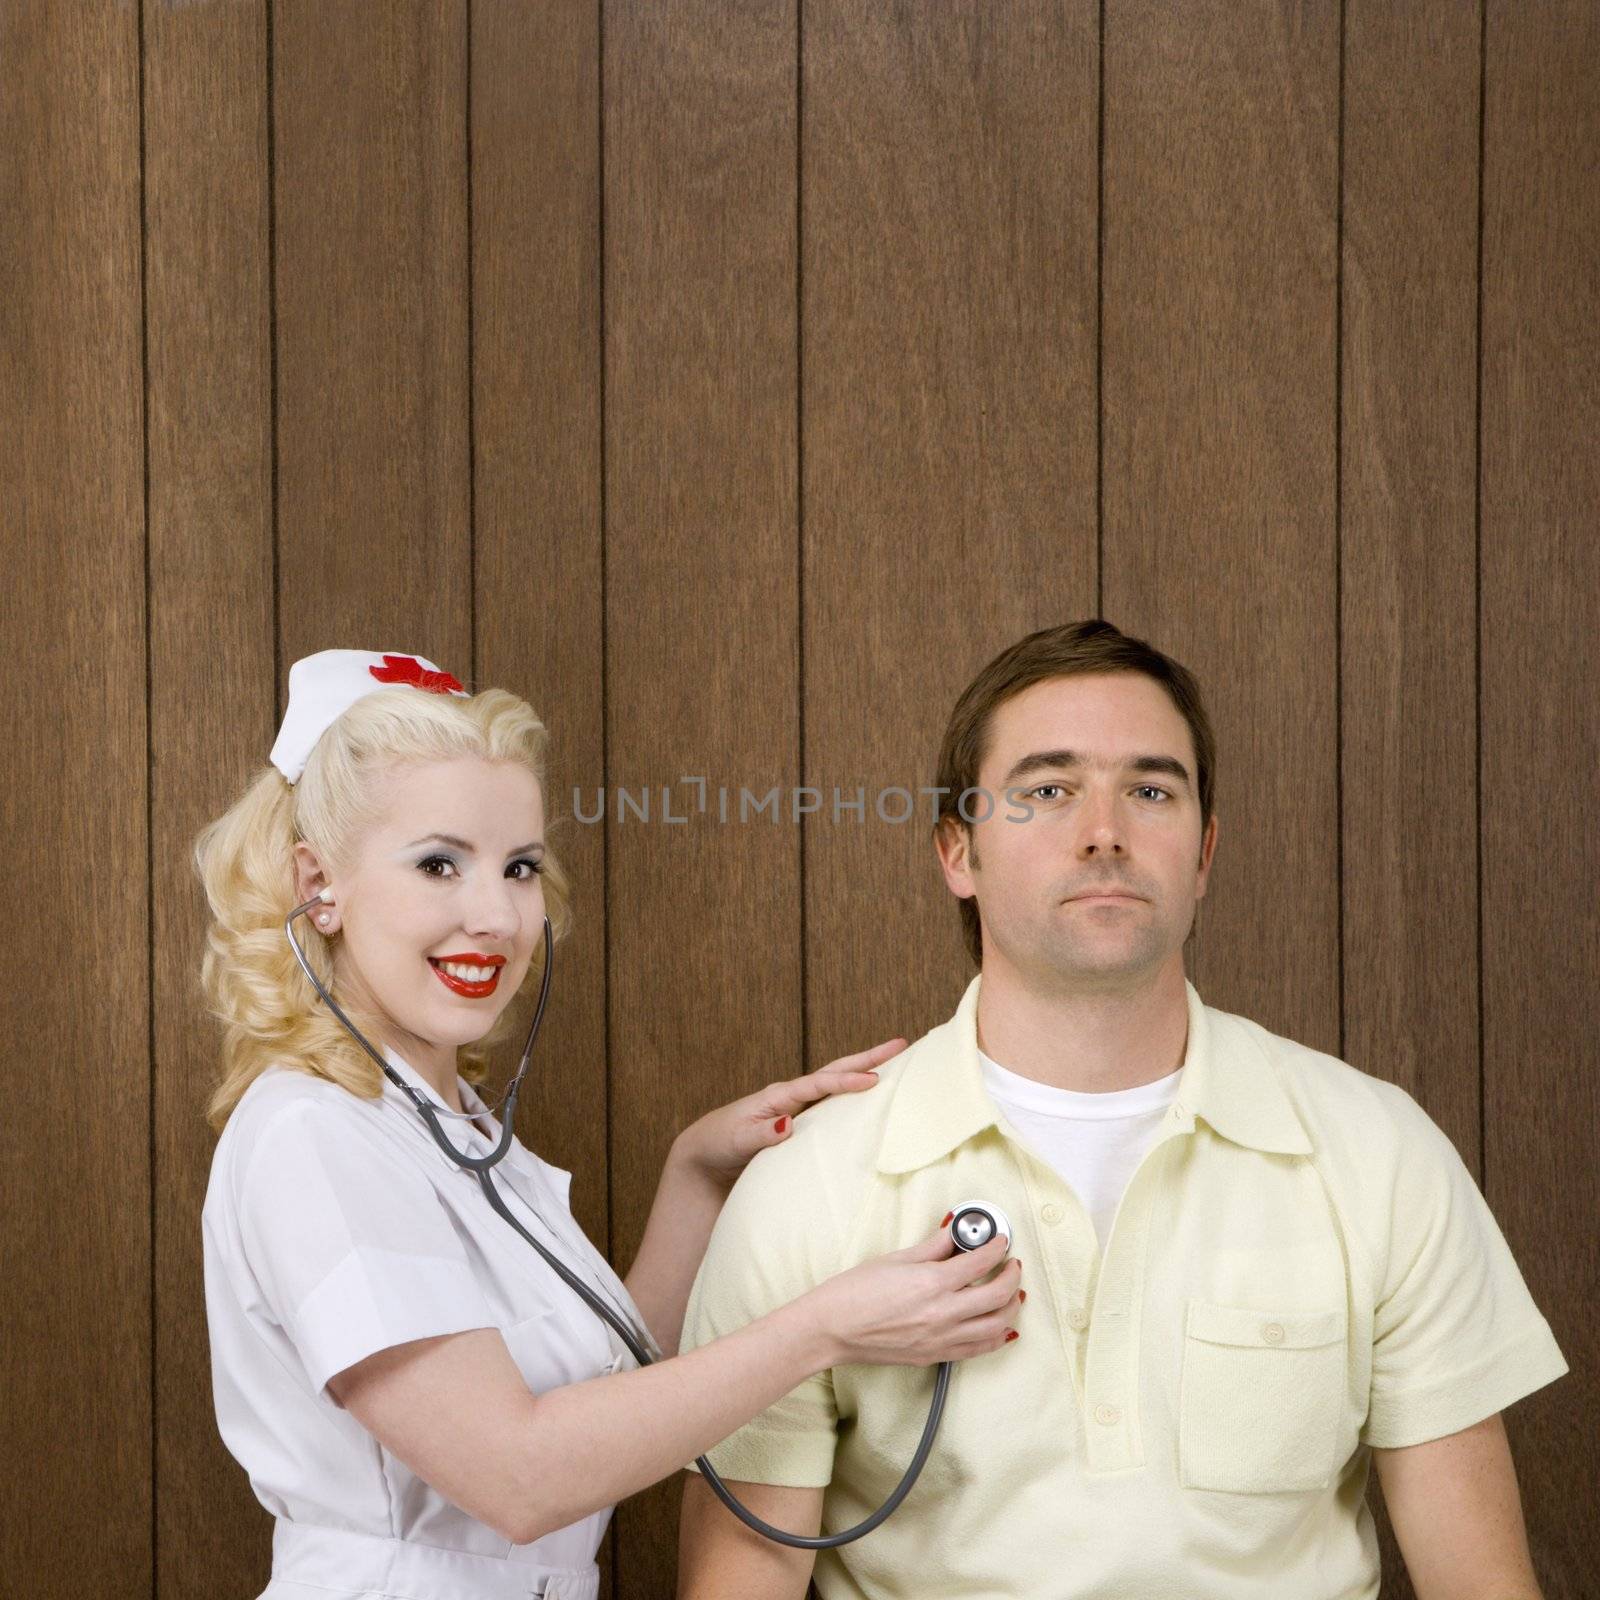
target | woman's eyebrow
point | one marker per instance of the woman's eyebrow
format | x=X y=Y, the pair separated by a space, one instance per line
x=462 y=845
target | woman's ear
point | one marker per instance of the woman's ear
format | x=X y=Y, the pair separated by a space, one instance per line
x=311 y=881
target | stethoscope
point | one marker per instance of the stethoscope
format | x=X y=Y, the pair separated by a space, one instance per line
x=972 y=1225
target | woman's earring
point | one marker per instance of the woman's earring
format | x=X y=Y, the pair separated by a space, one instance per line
x=323 y=920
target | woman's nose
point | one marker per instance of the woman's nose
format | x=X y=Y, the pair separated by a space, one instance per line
x=492 y=911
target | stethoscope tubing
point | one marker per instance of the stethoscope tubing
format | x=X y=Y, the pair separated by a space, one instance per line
x=642 y=1348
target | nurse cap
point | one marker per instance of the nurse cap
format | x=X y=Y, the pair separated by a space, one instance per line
x=324 y=686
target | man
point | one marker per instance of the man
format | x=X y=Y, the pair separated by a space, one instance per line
x=1252 y=1269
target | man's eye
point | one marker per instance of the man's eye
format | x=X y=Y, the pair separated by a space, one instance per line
x=1040 y=790
x=429 y=862
x=1154 y=788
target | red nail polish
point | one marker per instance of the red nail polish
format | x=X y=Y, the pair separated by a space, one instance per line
x=947 y=1216
x=781 y=1124
x=1010 y=1336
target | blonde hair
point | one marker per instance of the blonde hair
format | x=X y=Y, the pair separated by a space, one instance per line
x=251 y=981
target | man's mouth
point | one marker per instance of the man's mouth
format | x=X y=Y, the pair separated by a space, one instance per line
x=473 y=977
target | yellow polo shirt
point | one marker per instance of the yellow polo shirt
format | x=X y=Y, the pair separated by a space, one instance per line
x=1300 y=1268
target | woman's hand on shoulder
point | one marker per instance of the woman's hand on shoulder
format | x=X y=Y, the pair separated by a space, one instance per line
x=719 y=1146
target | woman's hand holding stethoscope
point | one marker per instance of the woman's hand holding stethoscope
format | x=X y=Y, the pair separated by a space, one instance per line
x=929 y=1303
x=721 y=1143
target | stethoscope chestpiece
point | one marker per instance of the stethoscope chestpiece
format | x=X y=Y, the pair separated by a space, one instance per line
x=974 y=1223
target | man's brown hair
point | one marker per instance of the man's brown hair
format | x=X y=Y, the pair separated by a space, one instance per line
x=1071 y=650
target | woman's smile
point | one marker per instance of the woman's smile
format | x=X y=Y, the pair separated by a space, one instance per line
x=472 y=976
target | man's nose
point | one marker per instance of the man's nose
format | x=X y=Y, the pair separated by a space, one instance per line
x=1112 y=847
x=1102 y=830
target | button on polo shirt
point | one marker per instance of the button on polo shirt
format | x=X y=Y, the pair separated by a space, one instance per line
x=1300 y=1268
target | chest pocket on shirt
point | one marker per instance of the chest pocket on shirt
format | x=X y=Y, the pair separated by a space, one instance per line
x=1260 y=1401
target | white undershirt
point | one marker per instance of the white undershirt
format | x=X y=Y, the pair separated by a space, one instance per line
x=1094 y=1141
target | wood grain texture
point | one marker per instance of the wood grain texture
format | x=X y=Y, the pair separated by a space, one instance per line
x=1408 y=536
x=208 y=320
x=1408 y=553
x=1220 y=209
x=723 y=379
x=949 y=327
x=370 y=184
x=1541 y=738
x=701 y=593
x=535 y=159
x=536 y=383
x=75 y=1348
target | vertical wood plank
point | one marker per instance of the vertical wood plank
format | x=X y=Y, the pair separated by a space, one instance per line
x=1540 y=660
x=535 y=159
x=75 y=1349
x=1408 y=551
x=701 y=592
x=1408 y=560
x=536 y=242
x=1221 y=160
x=211 y=687
x=949 y=335
x=370 y=185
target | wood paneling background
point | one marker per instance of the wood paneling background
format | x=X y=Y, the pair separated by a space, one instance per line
x=733 y=380
x=77 y=1408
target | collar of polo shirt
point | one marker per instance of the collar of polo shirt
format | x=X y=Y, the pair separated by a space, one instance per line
x=1228 y=1082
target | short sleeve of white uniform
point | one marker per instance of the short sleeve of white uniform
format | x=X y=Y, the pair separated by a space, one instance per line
x=352 y=1251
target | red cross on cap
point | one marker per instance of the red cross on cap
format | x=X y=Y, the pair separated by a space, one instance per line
x=407 y=669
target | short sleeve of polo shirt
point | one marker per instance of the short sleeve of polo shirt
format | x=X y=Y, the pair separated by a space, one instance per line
x=350 y=1247
x=770 y=1245
x=1456 y=1335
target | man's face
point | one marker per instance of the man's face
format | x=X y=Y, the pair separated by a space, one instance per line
x=1096 y=889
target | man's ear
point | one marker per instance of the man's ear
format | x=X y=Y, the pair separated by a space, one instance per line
x=952 y=838
x=1208 y=849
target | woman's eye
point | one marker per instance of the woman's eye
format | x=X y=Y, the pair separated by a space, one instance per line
x=534 y=869
x=429 y=862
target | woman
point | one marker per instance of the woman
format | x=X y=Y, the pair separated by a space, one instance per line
x=426 y=1408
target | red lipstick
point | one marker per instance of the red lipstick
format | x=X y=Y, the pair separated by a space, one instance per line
x=461 y=986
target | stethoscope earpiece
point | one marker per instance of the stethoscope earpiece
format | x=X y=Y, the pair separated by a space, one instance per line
x=974 y=1223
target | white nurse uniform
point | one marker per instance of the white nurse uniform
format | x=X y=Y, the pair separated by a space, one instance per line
x=335 y=1227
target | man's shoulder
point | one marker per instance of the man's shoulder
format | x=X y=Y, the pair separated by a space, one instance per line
x=833 y=1148
x=1349 y=1114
